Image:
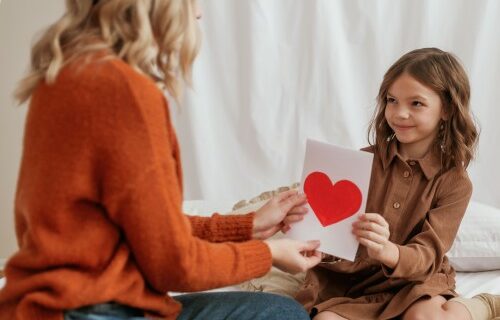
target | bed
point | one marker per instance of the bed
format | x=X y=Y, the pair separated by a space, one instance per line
x=475 y=253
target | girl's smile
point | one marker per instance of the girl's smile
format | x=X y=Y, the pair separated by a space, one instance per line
x=414 y=112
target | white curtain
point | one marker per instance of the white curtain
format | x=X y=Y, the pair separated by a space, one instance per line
x=272 y=73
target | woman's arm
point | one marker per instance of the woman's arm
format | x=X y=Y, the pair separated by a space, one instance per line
x=276 y=214
x=220 y=228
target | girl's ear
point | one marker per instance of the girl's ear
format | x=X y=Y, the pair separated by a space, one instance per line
x=444 y=115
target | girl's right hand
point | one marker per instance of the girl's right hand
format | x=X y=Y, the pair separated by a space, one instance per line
x=294 y=256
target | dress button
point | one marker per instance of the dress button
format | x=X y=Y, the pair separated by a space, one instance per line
x=396 y=205
x=406 y=174
x=412 y=163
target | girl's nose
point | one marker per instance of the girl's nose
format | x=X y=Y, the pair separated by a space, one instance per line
x=403 y=112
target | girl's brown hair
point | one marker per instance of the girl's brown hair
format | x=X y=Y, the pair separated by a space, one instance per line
x=159 y=38
x=440 y=71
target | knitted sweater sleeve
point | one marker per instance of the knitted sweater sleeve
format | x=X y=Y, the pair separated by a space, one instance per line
x=220 y=228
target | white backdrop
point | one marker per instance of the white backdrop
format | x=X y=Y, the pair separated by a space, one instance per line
x=273 y=72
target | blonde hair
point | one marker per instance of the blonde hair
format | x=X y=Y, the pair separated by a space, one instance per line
x=442 y=72
x=159 y=38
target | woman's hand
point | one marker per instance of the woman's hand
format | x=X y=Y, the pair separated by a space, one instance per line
x=278 y=213
x=294 y=256
x=372 y=231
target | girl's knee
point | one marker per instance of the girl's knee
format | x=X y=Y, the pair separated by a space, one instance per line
x=431 y=309
x=327 y=315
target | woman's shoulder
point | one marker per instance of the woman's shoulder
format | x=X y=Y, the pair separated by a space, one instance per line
x=104 y=74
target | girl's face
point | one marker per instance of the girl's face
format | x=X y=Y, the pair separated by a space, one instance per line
x=414 y=112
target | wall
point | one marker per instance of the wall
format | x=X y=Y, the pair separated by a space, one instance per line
x=20 y=20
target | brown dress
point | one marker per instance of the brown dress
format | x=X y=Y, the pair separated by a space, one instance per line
x=424 y=207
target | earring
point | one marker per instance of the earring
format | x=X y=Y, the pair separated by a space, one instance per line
x=442 y=145
x=389 y=138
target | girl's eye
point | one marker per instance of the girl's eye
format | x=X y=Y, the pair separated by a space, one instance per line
x=390 y=100
x=417 y=103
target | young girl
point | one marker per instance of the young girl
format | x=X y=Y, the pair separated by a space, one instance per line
x=98 y=207
x=424 y=140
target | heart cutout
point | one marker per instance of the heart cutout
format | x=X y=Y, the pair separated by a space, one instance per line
x=330 y=202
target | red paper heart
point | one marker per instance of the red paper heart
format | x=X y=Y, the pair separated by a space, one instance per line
x=331 y=202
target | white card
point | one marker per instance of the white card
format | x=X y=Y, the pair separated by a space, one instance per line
x=336 y=181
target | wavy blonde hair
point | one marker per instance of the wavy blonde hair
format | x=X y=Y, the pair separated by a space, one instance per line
x=442 y=72
x=159 y=38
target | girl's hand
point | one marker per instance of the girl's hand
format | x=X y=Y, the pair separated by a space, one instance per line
x=372 y=231
x=278 y=213
x=294 y=256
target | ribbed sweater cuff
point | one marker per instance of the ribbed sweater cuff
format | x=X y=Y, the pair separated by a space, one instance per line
x=236 y=227
x=257 y=256
x=221 y=228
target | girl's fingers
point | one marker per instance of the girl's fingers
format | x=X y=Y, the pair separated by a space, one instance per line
x=372 y=236
x=371 y=226
x=370 y=244
x=375 y=217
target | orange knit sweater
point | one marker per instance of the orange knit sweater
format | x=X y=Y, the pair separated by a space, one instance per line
x=98 y=205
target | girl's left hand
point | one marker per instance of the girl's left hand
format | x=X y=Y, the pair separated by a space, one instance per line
x=278 y=213
x=372 y=231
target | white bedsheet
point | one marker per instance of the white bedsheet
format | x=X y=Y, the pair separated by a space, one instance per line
x=468 y=283
x=472 y=283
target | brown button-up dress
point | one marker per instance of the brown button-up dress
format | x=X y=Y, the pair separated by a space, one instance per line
x=424 y=207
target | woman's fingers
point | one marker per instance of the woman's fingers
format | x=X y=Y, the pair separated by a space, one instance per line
x=285 y=228
x=285 y=195
x=309 y=245
x=301 y=210
x=293 y=219
x=293 y=201
x=313 y=259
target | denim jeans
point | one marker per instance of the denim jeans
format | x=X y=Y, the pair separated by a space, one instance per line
x=207 y=306
x=104 y=311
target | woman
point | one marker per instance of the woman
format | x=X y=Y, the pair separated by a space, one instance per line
x=98 y=204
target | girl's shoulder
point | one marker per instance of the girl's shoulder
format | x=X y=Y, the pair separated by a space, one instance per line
x=454 y=180
x=455 y=174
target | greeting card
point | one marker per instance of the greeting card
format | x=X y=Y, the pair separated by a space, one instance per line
x=336 y=182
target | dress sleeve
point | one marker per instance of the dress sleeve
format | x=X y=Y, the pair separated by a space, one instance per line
x=424 y=254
